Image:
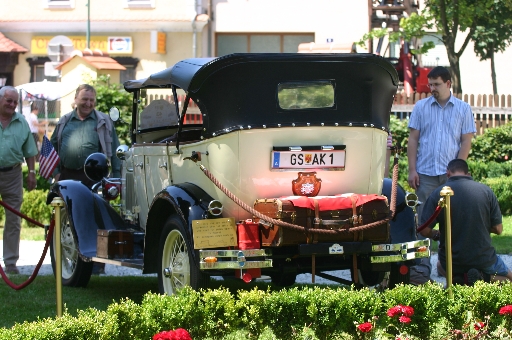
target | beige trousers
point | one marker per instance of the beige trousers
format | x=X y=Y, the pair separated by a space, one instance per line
x=11 y=192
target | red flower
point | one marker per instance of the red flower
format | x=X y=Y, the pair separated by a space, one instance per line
x=506 y=310
x=394 y=311
x=181 y=334
x=365 y=327
x=178 y=334
x=164 y=335
x=479 y=325
x=407 y=310
x=404 y=319
x=401 y=310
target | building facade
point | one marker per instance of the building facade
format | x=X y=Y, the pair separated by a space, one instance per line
x=146 y=36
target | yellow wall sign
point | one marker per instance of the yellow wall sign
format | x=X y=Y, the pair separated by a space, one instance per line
x=161 y=42
x=111 y=45
x=216 y=232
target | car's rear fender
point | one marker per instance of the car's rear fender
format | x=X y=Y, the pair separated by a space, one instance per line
x=187 y=201
x=87 y=212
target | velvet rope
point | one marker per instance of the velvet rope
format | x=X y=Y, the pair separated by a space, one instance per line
x=11 y=209
x=430 y=220
x=38 y=266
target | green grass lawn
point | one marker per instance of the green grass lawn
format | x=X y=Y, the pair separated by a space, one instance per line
x=38 y=300
x=503 y=242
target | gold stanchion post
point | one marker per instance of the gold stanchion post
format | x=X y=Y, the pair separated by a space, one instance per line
x=57 y=203
x=446 y=192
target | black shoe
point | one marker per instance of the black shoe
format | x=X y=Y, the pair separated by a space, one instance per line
x=98 y=268
x=473 y=276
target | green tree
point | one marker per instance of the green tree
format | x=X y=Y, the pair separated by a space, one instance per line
x=493 y=34
x=447 y=17
x=412 y=28
x=452 y=17
x=113 y=95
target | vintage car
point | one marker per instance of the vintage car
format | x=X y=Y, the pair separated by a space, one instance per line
x=250 y=165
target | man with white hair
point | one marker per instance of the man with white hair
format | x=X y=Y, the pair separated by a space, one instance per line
x=16 y=143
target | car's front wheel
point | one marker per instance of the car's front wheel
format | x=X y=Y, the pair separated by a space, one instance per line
x=75 y=271
x=177 y=268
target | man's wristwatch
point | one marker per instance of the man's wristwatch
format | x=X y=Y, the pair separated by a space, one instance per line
x=32 y=171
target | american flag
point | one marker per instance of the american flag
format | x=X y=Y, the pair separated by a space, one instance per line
x=48 y=159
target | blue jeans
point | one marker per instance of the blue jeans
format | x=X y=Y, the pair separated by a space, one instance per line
x=498 y=268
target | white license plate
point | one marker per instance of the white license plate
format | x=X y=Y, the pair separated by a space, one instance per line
x=334 y=159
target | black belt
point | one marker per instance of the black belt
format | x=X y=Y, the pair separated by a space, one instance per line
x=9 y=168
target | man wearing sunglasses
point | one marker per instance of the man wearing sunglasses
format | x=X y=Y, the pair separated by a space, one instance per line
x=16 y=144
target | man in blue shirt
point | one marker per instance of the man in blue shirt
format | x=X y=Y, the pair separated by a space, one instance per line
x=440 y=129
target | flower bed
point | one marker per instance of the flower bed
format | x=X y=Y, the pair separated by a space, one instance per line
x=405 y=312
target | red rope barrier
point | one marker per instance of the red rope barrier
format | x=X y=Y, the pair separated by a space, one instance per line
x=11 y=209
x=431 y=219
x=49 y=237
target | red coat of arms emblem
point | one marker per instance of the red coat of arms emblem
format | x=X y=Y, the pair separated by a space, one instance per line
x=306 y=184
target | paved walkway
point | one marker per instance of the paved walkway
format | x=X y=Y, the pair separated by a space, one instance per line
x=31 y=252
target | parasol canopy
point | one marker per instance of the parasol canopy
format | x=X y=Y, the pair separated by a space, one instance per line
x=44 y=90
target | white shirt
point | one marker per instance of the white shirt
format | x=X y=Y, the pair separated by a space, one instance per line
x=32 y=121
x=441 y=129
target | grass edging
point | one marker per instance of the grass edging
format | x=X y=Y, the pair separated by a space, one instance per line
x=298 y=313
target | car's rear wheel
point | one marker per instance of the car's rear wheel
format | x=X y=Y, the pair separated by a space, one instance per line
x=75 y=271
x=177 y=268
x=369 y=278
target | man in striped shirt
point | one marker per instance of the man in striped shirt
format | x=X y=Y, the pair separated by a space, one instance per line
x=440 y=129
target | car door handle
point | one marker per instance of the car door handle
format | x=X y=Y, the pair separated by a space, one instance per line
x=140 y=165
x=163 y=165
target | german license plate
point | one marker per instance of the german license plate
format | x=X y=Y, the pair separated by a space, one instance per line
x=334 y=159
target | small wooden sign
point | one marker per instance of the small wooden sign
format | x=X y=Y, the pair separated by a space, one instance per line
x=212 y=233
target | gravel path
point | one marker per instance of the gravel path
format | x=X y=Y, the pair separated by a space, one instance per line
x=31 y=251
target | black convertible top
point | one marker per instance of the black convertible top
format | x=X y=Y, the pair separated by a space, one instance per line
x=239 y=91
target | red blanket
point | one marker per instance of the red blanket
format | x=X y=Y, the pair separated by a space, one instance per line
x=337 y=202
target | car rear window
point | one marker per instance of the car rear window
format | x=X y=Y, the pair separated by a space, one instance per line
x=306 y=95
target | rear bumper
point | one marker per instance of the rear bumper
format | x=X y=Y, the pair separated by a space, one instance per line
x=262 y=258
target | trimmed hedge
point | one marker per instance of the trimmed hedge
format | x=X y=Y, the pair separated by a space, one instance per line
x=502 y=188
x=297 y=313
x=33 y=206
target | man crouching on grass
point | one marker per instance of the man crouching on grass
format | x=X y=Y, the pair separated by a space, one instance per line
x=475 y=214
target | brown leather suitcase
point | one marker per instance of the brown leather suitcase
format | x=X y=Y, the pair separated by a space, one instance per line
x=113 y=244
x=285 y=210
